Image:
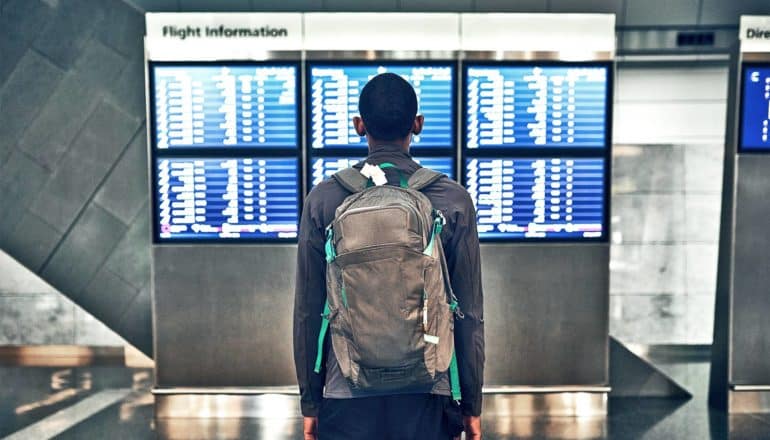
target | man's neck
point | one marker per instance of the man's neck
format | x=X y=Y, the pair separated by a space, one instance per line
x=400 y=145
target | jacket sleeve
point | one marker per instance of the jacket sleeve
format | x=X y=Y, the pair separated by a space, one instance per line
x=309 y=298
x=464 y=264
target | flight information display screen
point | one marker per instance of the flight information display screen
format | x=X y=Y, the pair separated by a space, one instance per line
x=537 y=198
x=560 y=106
x=756 y=108
x=220 y=105
x=333 y=92
x=324 y=167
x=234 y=198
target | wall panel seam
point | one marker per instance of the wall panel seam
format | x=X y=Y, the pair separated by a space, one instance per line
x=89 y=200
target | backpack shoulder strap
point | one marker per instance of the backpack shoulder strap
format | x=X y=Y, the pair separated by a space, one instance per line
x=422 y=178
x=351 y=179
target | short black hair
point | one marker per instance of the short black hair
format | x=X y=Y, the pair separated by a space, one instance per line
x=388 y=106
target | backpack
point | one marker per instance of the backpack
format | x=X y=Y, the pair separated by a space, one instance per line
x=390 y=307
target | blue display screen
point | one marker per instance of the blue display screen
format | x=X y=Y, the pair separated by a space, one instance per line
x=333 y=101
x=756 y=108
x=536 y=106
x=537 y=198
x=220 y=105
x=241 y=198
x=323 y=167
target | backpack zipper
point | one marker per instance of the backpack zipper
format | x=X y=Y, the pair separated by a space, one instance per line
x=386 y=245
x=406 y=208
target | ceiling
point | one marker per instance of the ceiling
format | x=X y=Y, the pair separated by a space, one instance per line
x=630 y=13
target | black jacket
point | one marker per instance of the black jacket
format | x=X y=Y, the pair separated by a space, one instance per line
x=461 y=246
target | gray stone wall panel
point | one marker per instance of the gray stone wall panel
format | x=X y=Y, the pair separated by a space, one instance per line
x=83 y=251
x=50 y=135
x=131 y=258
x=66 y=34
x=125 y=190
x=26 y=91
x=32 y=241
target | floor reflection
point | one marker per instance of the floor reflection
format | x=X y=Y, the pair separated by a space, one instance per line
x=28 y=395
x=567 y=428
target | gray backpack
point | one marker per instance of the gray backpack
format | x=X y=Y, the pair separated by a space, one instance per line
x=390 y=307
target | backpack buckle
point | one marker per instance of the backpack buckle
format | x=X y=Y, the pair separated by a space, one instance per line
x=331 y=253
x=439 y=215
x=438 y=221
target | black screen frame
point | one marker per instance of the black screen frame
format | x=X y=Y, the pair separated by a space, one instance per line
x=513 y=150
x=222 y=153
x=347 y=151
x=544 y=152
x=280 y=63
x=157 y=239
x=740 y=147
x=604 y=238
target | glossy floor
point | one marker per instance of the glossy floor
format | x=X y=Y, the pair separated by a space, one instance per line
x=30 y=398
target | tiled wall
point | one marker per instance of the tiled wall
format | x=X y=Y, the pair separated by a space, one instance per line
x=667 y=181
x=32 y=312
x=73 y=185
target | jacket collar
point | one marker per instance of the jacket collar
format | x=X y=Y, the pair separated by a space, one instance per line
x=390 y=153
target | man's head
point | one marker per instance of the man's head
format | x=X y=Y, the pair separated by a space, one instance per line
x=388 y=108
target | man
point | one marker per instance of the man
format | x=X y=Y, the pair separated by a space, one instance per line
x=331 y=408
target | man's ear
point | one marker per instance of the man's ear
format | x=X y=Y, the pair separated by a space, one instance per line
x=419 y=122
x=358 y=125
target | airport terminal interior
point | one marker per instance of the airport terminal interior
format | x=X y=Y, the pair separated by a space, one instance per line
x=155 y=156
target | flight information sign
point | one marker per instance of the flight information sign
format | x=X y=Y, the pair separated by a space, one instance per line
x=559 y=106
x=324 y=167
x=537 y=198
x=220 y=105
x=226 y=198
x=333 y=91
x=756 y=108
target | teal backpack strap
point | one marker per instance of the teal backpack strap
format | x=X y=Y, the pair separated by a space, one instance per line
x=331 y=255
x=402 y=182
x=351 y=179
x=422 y=178
x=454 y=379
x=454 y=375
x=438 y=225
x=321 y=336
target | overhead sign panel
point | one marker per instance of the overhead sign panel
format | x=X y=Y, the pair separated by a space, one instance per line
x=196 y=36
x=755 y=33
x=574 y=37
x=381 y=31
